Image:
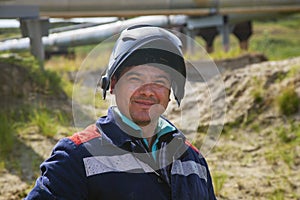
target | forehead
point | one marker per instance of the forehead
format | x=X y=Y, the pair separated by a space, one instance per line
x=147 y=70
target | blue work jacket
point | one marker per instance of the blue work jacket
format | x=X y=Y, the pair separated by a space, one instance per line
x=105 y=162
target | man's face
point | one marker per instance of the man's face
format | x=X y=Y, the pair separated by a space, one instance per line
x=142 y=93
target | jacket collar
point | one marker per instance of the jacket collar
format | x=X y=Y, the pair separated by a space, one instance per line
x=116 y=130
x=110 y=128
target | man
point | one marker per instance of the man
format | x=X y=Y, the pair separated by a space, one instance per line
x=133 y=152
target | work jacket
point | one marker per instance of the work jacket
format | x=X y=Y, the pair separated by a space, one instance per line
x=105 y=162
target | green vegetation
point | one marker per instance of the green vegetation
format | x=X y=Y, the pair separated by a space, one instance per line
x=32 y=113
x=288 y=101
x=278 y=148
x=294 y=71
x=7 y=135
x=219 y=179
x=47 y=121
x=277 y=195
x=276 y=39
x=233 y=52
x=286 y=142
x=258 y=90
x=9 y=33
x=23 y=59
x=46 y=81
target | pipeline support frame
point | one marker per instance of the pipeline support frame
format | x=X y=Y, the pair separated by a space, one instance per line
x=31 y=25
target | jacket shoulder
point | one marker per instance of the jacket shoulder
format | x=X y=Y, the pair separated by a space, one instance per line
x=86 y=135
x=192 y=147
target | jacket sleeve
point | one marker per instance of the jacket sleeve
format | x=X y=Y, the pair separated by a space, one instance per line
x=202 y=161
x=62 y=174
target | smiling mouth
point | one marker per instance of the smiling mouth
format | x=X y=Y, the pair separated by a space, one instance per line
x=144 y=103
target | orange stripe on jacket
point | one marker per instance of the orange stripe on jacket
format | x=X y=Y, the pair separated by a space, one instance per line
x=192 y=146
x=87 y=134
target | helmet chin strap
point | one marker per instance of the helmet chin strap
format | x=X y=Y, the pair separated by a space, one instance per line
x=104 y=86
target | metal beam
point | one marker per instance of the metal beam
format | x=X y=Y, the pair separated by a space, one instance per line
x=19 y=11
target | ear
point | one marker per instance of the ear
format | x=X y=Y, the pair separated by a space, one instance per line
x=113 y=83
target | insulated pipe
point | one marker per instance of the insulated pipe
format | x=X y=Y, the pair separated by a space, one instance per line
x=125 y=8
x=92 y=35
x=233 y=9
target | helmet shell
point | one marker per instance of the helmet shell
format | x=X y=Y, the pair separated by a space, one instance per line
x=144 y=44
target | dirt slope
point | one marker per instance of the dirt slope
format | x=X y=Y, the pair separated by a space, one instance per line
x=255 y=157
x=257 y=154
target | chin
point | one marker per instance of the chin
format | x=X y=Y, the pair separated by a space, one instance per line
x=142 y=123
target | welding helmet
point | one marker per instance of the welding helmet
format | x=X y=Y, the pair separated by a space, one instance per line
x=143 y=44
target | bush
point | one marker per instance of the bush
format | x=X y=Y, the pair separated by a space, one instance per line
x=288 y=101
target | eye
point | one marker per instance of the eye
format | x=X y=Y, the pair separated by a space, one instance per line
x=163 y=82
x=134 y=79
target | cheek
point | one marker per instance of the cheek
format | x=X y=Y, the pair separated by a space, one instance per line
x=122 y=96
x=122 y=89
x=164 y=97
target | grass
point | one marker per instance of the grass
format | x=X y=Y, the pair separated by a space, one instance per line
x=9 y=33
x=278 y=194
x=294 y=71
x=276 y=39
x=44 y=121
x=7 y=135
x=219 y=179
x=288 y=101
x=279 y=149
x=233 y=52
x=47 y=82
x=286 y=141
x=16 y=128
x=257 y=92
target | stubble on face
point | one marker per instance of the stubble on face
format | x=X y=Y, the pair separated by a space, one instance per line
x=146 y=109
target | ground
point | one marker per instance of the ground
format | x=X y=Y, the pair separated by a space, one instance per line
x=255 y=156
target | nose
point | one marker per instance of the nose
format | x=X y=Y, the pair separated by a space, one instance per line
x=147 y=89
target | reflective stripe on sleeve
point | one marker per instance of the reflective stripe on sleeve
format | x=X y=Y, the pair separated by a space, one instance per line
x=118 y=163
x=189 y=167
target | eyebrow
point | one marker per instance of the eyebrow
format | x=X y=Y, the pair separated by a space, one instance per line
x=164 y=77
x=132 y=73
